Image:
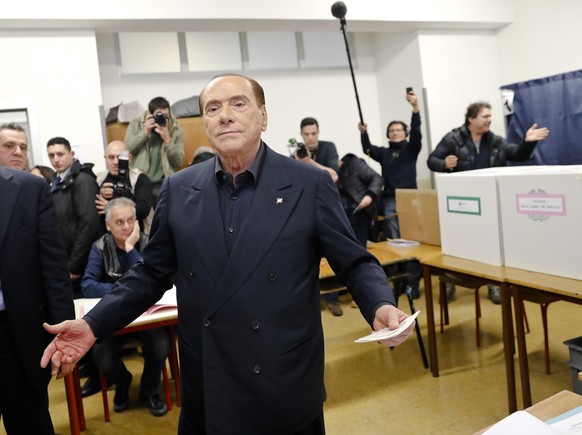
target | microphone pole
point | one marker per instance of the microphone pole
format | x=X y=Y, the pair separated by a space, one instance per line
x=339 y=10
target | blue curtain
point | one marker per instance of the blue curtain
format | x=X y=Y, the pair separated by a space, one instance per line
x=556 y=103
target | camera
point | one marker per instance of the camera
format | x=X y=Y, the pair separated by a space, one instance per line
x=160 y=118
x=301 y=150
x=300 y=147
x=122 y=187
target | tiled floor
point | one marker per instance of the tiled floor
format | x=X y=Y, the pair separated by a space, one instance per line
x=375 y=390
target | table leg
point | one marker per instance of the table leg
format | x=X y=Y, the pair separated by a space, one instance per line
x=72 y=404
x=521 y=346
x=508 y=347
x=174 y=366
x=432 y=348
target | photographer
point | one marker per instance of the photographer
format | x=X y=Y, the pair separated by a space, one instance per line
x=121 y=181
x=156 y=142
x=319 y=153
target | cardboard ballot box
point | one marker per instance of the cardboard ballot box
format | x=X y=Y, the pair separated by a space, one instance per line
x=469 y=213
x=418 y=215
x=541 y=215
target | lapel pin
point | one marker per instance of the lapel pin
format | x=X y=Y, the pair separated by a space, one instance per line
x=279 y=201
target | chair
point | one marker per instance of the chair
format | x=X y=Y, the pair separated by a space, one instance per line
x=544 y=301
x=174 y=369
x=468 y=282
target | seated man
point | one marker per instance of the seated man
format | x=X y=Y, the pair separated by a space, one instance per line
x=110 y=257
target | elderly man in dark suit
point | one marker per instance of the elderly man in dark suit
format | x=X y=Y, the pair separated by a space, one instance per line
x=34 y=288
x=241 y=236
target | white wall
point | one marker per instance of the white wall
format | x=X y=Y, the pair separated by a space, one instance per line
x=273 y=14
x=58 y=73
x=543 y=40
x=328 y=95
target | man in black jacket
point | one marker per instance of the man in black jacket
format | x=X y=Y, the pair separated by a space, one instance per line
x=475 y=146
x=359 y=187
x=398 y=162
x=34 y=288
x=74 y=190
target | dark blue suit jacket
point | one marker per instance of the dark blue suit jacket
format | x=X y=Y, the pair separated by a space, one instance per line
x=33 y=267
x=251 y=341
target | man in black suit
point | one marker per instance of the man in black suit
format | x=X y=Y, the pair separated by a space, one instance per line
x=241 y=237
x=34 y=288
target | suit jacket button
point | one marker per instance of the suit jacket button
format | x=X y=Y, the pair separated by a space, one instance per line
x=273 y=277
x=206 y=323
x=192 y=273
x=256 y=369
x=255 y=325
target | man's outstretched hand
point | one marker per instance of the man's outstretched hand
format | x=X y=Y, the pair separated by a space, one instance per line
x=73 y=339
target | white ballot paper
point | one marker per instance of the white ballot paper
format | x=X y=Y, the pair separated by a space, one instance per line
x=384 y=334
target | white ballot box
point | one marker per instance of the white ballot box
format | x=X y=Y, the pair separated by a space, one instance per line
x=469 y=213
x=541 y=215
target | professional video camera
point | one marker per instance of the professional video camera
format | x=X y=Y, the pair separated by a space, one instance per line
x=123 y=187
x=299 y=146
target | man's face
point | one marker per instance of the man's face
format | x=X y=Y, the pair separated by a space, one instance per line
x=396 y=133
x=481 y=123
x=61 y=158
x=112 y=156
x=13 y=149
x=120 y=223
x=233 y=118
x=310 y=135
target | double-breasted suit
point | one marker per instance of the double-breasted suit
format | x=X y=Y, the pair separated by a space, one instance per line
x=34 y=280
x=251 y=340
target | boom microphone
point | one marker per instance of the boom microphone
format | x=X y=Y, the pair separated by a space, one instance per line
x=339 y=10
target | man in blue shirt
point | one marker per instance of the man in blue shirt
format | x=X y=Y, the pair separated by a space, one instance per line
x=110 y=257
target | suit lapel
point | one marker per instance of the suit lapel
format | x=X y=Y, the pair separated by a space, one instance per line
x=201 y=201
x=9 y=193
x=273 y=203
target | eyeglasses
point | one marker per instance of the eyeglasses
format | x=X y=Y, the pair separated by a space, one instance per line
x=395 y=130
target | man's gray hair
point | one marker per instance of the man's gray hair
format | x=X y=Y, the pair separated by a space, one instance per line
x=117 y=202
x=12 y=126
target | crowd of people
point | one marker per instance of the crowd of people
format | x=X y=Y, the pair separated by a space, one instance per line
x=258 y=284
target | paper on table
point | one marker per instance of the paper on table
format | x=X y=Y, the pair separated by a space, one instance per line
x=386 y=333
x=402 y=243
x=568 y=422
x=521 y=422
x=168 y=300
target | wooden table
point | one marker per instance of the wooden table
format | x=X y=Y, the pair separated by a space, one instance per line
x=387 y=256
x=536 y=287
x=161 y=318
x=439 y=263
x=551 y=407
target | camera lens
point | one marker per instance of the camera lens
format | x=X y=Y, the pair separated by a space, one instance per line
x=160 y=119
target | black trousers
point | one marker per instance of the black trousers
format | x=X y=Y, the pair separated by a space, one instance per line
x=191 y=426
x=156 y=346
x=24 y=406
